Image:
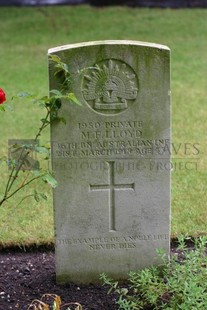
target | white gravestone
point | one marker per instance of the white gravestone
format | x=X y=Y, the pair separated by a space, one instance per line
x=112 y=160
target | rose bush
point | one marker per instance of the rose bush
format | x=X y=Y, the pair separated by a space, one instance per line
x=51 y=104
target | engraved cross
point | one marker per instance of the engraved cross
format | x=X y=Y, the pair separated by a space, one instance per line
x=112 y=187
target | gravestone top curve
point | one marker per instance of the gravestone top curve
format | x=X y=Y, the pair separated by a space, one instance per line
x=107 y=42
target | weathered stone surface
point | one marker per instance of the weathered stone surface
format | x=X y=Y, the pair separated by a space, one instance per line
x=112 y=160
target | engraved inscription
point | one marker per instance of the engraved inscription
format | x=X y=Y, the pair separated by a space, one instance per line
x=113 y=243
x=111 y=187
x=109 y=85
x=111 y=138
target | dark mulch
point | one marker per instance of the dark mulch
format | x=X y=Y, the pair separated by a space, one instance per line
x=27 y=276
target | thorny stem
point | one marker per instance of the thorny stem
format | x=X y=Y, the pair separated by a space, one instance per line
x=25 y=179
x=8 y=185
x=16 y=174
x=44 y=125
x=12 y=178
x=8 y=182
x=20 y=187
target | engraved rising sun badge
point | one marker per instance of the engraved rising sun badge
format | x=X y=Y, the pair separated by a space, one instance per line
x=109 y=86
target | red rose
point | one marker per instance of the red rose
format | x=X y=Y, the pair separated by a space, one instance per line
x=2 y=96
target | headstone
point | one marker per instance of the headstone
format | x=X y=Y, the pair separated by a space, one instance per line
x=112 y=160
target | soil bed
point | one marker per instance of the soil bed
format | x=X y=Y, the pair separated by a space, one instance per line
x=25 y=276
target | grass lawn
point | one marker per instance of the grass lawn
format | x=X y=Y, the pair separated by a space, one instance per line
x=26 y=35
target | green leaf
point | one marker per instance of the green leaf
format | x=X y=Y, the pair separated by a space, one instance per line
x=2 y=108
x=41 y=100
x=72 y=97
x=23 y=95
x=47 y=145
x=42 y=105
x=57 y=104
x=44 y=121
x=36 y=173
x=55 y=58
x=56 y=92
x=50 y=180
x=6 y=107
x=60 y=74
x=41 y=149
x=36 y=196
x=65 y=67
x=44 y=98
x=58 y=119
x=43 y=196
x=63 y=120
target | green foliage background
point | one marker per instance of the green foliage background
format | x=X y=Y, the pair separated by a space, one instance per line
x=26 y=35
